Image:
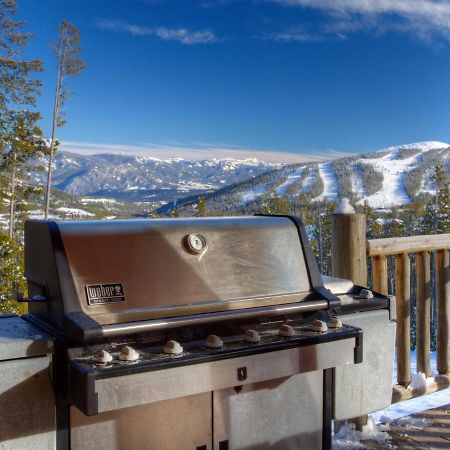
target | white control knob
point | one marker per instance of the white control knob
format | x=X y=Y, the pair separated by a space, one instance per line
x=173 y=348
x=213 y=341
x=366 y=294
x=335 y=323
x=286 y=331
x=104 y=357
x=319 y=325
x=128 y=354
x=251 y=336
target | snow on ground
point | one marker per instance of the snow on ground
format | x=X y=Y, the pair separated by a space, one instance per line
x=185 y=186
x=357 y=181
x=75 y=212
x=330 y=183
x=394 y=170
x=378 y=425
x=292 y=178
x=308 y=183
x=97 y=200
x=427 y=185
x=347 y=438
x=422 y=146
x=253 y=193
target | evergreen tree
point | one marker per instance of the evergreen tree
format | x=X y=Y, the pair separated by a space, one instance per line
x=11 y=271
x=67 y=50
x=20 y=137
x=442 y=201
x=201 y=209
x=437 y=213
x=374 y=227
x=321 y=234
x=275 y=205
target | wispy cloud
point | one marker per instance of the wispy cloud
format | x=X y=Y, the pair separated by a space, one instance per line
x=183 y=35
x=198 y=151
x=426 y=20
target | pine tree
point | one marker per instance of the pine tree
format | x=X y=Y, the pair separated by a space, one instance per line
x=67 y=50
x=201 y=209
x=11 y=271
x=374 y=227
x=321 y=234
x=22 y=143
x=437 y=213
x=442 y=201
x=276 y=205
x=20 y=137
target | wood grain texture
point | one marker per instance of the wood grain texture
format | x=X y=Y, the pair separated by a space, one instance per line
x=380 y=274
x=403 y=304
x=349 y=259
x=443 y=304
x=401 y=393
x=423 y=304
x=410 y=244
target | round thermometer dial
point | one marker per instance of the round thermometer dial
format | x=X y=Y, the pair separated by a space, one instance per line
x=196 y=243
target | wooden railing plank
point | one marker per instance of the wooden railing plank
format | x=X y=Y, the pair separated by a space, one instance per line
x=403 y=295
x=443 y=304
x=380 y=274
x=423 y=303
x=411 y=244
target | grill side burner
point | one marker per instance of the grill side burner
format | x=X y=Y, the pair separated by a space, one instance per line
x=152 y=317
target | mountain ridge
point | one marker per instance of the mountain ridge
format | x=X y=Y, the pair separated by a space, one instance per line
x=384 y=179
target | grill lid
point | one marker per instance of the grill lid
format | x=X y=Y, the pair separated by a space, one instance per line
x=99 y=273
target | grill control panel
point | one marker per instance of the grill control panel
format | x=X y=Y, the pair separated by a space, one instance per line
x=254 y=339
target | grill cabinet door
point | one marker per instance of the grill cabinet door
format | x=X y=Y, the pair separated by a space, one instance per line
x=178 y=424
x=280 y=414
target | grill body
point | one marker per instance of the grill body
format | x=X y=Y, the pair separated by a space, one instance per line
x=114 y=288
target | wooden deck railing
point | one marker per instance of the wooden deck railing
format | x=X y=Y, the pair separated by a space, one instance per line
x=428 y=293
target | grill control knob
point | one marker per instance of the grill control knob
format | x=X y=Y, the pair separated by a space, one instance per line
x=286 y=331
x=104 y=357
x=251 y=336
x=335 y=323
x=319 y=325
x=128 y=354
x=213 y=341
x=366 y=294
x=173 y=348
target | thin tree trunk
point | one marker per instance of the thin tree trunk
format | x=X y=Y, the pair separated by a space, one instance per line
x=12 y=201
x=54 y=126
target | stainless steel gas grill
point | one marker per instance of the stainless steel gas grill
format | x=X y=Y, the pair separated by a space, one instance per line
x=194 y=334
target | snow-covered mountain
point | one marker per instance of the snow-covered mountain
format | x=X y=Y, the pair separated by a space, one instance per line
x=390 y=177
x=147 y=179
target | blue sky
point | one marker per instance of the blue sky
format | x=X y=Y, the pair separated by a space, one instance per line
x=241 y=77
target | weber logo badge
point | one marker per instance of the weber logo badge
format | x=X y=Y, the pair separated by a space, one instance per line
x=102 y=294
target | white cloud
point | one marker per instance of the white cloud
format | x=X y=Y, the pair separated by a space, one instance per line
x=198 y=151
x=425 y=19
x=182 y=35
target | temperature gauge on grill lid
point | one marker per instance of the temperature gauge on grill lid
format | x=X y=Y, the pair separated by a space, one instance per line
x=195 y=243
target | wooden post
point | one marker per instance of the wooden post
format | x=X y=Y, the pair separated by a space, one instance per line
x=348 y=248
x=403 y=295
x=380 y=274
x=423 y=303
x=443 y=305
